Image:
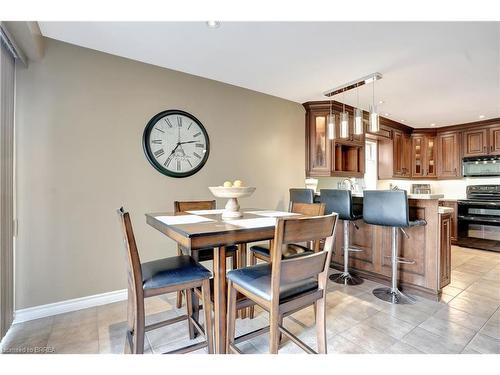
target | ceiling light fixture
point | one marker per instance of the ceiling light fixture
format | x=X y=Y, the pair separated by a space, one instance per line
x=482 y=116
x=344 y=121
x=213 y=24
x=433 y=124
x=358 y=116
x=381 y=102
x=374 y=120
x=353 y=84
x=331 y=123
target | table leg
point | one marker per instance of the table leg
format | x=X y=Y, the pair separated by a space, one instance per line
x=193 y=333
x=220 y=301
x=241 y=257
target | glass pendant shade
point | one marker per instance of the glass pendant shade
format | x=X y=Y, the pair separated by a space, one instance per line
x=358 y=121
x=344 y=125
x=331 y=126
x=374 y=120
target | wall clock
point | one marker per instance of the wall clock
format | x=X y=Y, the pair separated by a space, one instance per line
x=176 y=143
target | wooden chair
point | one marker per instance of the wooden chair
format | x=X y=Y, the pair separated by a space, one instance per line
x=160 y=277
x=286 y=285
x=200 y=255
x=262 y=252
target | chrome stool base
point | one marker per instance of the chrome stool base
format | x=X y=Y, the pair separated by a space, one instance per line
x=393 y=296
x=346 y=279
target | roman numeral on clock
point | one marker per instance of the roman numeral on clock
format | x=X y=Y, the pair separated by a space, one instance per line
x=157 y=141
x=195 y=154
x=178 y=165
x=159 y=152
x=179 y=121
x=200 y=145
x=168 y=122
x=197 y=134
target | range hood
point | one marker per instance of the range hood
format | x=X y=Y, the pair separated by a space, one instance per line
x=482 y=166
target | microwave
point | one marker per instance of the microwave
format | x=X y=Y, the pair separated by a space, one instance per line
x=482 y=166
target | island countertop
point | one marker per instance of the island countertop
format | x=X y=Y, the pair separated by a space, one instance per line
x=410 y=196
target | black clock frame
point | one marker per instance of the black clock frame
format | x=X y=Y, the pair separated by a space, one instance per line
x=149 y=154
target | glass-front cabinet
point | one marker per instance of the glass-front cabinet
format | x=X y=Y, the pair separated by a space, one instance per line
x=319 y=145
x=423 y=156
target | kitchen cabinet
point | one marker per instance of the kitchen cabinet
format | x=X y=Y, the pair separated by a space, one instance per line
x=326 y=157
x=448 y=155
x=401 y=154
x=494 y=140
x=319 y=146
x=423 y=153
x=454 y=218
x=475 y=142
x=444 y=250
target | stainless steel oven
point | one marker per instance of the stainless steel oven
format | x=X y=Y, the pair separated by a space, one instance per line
x=479 y=218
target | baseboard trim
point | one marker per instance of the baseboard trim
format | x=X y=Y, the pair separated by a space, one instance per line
x=69 y=305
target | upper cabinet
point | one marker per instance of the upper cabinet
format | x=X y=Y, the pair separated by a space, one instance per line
x=448 y=162
x=319 y=158
x=326 y=157
x=423 y=153
x=494 y=140
x=401 y=154
x=475 y=142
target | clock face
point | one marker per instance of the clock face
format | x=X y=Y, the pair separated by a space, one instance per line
x=176 y=143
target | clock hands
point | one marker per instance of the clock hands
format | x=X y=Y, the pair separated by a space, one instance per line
x=181 y=143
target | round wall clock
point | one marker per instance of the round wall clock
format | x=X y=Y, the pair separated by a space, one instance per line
x=176 y=143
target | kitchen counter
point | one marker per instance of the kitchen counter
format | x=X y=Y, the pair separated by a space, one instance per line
x=410 y=196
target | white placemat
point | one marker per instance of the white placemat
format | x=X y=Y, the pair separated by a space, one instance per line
x=254 y=223
x=272 y=213
x=182 y=219
x=207 y=212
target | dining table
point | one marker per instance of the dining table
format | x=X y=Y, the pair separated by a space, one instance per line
x=201 y=229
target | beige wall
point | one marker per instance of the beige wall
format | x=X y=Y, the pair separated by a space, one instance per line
x=80 y=118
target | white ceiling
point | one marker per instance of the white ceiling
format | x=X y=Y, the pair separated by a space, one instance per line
x=443 y=73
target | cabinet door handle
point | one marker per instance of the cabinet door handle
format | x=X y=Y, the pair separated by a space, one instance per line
x=491 y=148
x=485 y=149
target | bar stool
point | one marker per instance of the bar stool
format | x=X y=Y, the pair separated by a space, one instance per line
x=300 y=195
x=160 y=277
x=389 y=208
x=340 y=201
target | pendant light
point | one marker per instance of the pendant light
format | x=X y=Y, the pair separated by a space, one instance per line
x=331 y=123
x=358 y=116
x=344 y=121
x=374 y=120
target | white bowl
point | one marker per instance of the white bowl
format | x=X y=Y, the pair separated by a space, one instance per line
x=231 y=192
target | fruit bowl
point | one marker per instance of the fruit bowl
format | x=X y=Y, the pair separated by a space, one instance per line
x=232 y=208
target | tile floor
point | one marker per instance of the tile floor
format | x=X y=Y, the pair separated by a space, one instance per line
x=466 y=320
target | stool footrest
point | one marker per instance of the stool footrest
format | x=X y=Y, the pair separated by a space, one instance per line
x=355 y=249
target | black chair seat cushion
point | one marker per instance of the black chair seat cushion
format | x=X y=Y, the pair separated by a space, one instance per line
x=172 y=271
x=208 y=253
x=291 y=251
x=257 y=280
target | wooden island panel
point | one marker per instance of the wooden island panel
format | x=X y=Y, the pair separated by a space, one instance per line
x=428 y=246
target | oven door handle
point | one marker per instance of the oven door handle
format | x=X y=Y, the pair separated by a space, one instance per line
x=482 y=219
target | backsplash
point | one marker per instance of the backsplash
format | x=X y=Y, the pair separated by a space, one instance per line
x=452 y=189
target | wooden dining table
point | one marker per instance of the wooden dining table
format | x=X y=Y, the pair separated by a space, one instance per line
x=207 y=229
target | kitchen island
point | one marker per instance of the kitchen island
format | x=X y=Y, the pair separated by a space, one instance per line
x=429 y=246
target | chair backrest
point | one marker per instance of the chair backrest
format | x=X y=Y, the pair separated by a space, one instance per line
x=134 y=272
x=300 y=195
x=182 y=206
x=309 y=209
x=302 y=229
x=386 y=208
x=339 y=201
